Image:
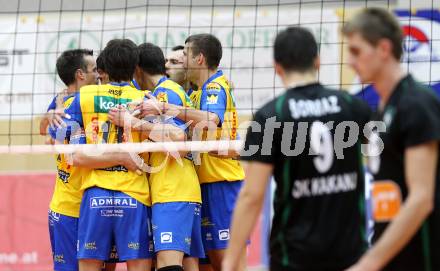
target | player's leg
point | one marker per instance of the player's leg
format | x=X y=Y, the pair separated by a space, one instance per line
x=217 y=208
x=172 y=229
x=139 y=265
x=109 y=266
x=63 y=232
x=191 y=262
x=90 y=265
x=95 y=229
x=132 y=232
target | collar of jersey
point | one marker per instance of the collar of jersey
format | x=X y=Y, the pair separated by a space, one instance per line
x=161 y=80
x=135 y=84
x=212 y=78
x=122 y=84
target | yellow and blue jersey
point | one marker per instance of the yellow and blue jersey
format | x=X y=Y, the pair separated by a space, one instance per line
x=66 y=198
x=216 y=96
x=89 y=110
x=173 y=181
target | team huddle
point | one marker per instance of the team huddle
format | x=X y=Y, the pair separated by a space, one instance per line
x=174 y=210
x=141 y=206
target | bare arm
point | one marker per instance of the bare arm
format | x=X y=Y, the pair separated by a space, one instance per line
x=52 y=117
x=192 y=115
x=132 y=162
x=247 y=209
x=153 y=107
x=420 y=171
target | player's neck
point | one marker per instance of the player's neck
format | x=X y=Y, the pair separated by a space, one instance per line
x=387 y=80
x=296 y=79
x=204 y=75
x=153 y=80
x=71 y=89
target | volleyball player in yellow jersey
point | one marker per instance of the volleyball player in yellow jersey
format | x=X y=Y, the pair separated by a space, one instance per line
x=76 y=68
x=220 y=175
x=175 y=189
x=115 y=202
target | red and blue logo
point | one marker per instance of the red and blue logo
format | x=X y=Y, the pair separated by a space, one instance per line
x=418 y=28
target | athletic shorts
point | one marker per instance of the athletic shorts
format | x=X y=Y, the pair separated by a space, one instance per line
x=177 y=226
x=218 y=202
x=107 y=216
x=63 y=232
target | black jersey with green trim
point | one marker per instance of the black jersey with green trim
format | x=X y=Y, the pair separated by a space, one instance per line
x=319 y=220
x=411 y=117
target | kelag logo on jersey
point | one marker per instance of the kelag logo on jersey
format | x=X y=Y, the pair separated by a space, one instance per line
x=121 y=202
x=419 y=32
x=104 y=103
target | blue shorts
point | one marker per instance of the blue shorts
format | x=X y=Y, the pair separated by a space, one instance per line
x=63 y=232
x=177 y=226
x=107 y=216
x=218 y=202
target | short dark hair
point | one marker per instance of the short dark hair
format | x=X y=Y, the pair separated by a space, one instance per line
x=70 y=61
x=100 y=62
x=120 y=59
x=177 y=48
x=374 y=24
x=295 y=49
x=209 y=46
x=151 y=59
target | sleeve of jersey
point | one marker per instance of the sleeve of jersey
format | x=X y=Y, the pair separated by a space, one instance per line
x=214 y=101
x=53 y=104
x=167 y=95
x=419 y=120
x=253 y=146
x=73 y=124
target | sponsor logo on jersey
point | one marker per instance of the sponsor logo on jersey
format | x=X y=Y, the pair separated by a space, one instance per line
x=104 y=103
x=162 y=97
x=59 y=258
x=112 y=212
x=223 y=234
x=212 y=99
x=114 y=253
x=116 y=92
x=387 y=199
x=208 y=236
x=213 y=86
x=166 y=237
x=133 y=245
x=90 y=246
x=63 y=176
x=115 y=168
x=206 y=222
x=121 y=202
x=188 y=240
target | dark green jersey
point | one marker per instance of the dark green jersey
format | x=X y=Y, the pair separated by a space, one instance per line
x=412 y=117
x=319 y=199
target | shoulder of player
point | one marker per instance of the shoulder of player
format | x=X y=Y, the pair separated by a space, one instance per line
x=172 y=86
x=420 y=97
x=268 y=110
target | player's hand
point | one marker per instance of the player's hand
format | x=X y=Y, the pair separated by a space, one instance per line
x=150 y=107
x=119 y=116
x=132 y=162
x=55 y=118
